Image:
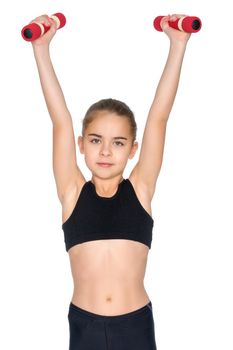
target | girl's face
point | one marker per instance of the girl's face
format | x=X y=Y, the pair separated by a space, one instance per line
x=107 y=140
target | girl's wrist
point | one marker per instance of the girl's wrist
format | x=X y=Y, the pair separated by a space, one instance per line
x=178 y=45
x=40 y=48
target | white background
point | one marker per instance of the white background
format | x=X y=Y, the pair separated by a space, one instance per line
x=110 y=49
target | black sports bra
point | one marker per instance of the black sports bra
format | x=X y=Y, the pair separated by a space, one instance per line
x=118 y=217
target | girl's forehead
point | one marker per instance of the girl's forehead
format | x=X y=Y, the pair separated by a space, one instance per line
x=109 y=121
x=109 y=128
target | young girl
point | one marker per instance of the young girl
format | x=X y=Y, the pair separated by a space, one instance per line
x=107 y=221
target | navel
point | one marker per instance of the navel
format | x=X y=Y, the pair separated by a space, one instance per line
x=108 y=299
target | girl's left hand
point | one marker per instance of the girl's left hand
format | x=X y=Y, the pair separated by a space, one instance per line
x=174 y=34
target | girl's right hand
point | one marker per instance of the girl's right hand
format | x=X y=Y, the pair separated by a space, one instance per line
x=174 y=34
x=46 y=38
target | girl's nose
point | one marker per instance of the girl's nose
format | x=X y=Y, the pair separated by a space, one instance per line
x=105 y=149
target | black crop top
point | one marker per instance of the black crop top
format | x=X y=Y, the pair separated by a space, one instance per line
x=118 y=217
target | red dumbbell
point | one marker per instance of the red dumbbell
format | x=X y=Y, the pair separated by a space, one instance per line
x=189 y=24
x=34 y=30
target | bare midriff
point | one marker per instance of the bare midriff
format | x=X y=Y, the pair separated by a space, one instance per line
x=109 y=275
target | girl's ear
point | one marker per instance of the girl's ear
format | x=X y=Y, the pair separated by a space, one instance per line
x=133 y=150
x=80 y=144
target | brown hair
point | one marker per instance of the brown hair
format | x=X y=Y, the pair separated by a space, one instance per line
x=110 y=105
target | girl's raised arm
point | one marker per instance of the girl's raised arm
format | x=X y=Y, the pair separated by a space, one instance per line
x=149 y=164
x=66 y=171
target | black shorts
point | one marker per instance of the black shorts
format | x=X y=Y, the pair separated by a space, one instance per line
x=130 y=331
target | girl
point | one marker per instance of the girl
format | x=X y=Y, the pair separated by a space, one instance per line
x=107 y=221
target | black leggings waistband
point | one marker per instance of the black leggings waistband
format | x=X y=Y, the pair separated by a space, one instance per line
x=89 y=314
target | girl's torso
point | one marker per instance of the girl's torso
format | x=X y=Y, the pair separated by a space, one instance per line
x=108 y=274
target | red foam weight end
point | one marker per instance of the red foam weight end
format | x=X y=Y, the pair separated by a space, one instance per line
x=36 y=31
x=188 y=24
x=62 y=19
x=157 y=23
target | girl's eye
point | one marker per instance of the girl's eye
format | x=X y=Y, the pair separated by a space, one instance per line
x=117 y=142
x=94 y=140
